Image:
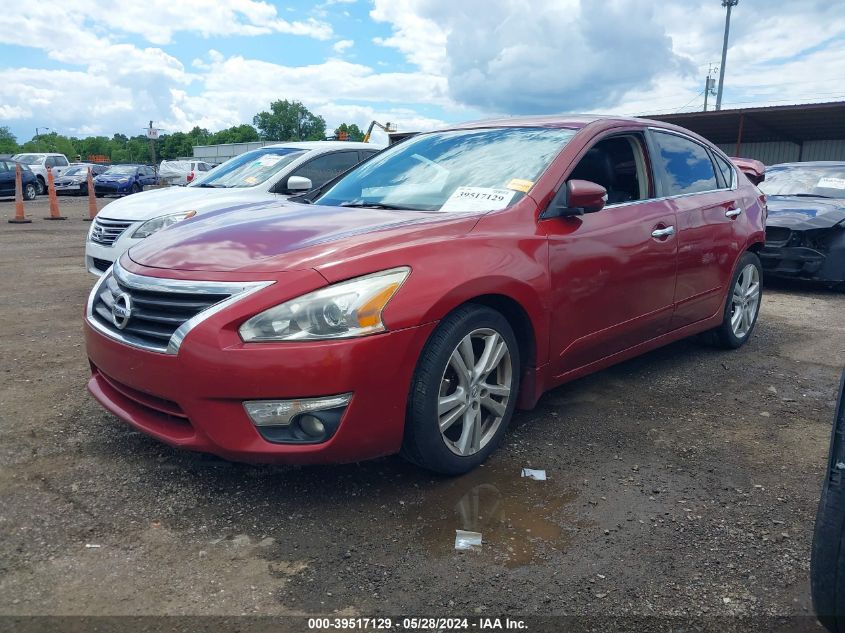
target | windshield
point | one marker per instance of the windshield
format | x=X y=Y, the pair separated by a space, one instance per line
x=122 y=170
x=251 y=168
x=459 y=170
x=28 y=159
x=824 y=181
x=79 y=170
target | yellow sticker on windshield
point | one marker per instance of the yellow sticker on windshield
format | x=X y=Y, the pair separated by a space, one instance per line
x=250 y=180
x=518 y=184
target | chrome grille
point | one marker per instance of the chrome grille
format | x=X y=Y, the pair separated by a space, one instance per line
x=106 y=231
x=160 y=311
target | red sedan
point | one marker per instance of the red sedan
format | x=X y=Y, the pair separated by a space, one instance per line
x=413 y=304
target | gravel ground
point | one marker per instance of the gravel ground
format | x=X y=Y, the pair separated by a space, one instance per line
x=682 y=483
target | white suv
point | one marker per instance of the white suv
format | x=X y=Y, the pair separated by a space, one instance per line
x=40 y=162
x=259 y=176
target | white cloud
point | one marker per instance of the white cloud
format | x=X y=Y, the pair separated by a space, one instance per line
x=467 y=59
x=342 y=45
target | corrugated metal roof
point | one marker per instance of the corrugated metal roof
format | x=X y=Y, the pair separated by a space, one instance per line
x=794 y=123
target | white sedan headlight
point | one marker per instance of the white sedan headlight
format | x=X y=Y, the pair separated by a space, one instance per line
x=343 y=310
x=161 y=222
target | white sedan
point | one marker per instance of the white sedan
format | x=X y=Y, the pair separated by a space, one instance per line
x=261 y=175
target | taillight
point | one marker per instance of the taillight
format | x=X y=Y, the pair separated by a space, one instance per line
x=190 y=176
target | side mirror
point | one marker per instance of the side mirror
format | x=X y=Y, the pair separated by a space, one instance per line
x=579 y=197
x=299 y=183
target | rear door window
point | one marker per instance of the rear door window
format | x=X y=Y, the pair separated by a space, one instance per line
x=683 y=165
x=726 y=170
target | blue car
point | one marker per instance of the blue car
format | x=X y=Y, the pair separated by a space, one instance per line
x=29 y=181
x=122 y=180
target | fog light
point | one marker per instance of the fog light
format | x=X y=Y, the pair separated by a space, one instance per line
x=311 y=425
x=281 y=412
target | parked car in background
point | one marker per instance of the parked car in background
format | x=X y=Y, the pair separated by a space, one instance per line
x=74 y=181
x=270 y=173
x=181 y=172
x=123 y=180
x=40 y=162
x=410 y=305
x=753 y=169
x=29 y=181
x=805 y=230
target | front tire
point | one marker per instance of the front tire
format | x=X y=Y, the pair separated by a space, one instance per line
x=743 y=303
x=463 y=392
x=136 y=188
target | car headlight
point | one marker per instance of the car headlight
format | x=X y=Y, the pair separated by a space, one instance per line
x=343 y=310
x=123 y=180
x=161 y=222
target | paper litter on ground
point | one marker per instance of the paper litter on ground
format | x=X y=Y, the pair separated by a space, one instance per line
x=467 y=540
x=531 y=473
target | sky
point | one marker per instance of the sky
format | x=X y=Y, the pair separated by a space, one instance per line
x=87 y=67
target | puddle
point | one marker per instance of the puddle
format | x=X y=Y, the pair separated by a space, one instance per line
x=519 y=518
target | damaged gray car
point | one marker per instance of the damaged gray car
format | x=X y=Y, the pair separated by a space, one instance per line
x=805 y=230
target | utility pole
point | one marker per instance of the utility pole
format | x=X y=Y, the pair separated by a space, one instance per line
x=709 y=86
x=730 y=4
x=152 y=134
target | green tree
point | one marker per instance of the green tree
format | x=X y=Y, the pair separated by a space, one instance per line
x=289 y=121
x=236 y=134
x=353 y=132
x=8 y=142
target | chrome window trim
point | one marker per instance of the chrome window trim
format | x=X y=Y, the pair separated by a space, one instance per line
x=237 y=290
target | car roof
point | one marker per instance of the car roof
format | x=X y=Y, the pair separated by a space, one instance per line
x=811 y=163
x=572 y=121
x=326 y=145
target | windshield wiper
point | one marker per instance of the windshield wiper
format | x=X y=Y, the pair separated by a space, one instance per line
x=210 y=186
x=810 y=195
x=373 y=205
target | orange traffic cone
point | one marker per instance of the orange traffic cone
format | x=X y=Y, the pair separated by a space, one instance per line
x=92 y=199
x=54 y=201
x=19 y=218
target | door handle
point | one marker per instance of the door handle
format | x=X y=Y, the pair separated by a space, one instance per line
x=732 y=213
x=669 y=230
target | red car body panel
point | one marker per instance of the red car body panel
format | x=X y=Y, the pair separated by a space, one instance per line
x=589 y=290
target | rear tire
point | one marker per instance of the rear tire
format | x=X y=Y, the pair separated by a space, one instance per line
x=42 y=186
x=99 y=195
x=827 y=567
x=30 y=191
x=463 y=392
x=742 y=305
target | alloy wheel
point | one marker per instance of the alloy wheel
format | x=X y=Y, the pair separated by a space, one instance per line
x=474 y=391
x=745 y=301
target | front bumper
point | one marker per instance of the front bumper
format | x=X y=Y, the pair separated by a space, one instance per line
x=194 y=399
x=823 y=261
x=71 y=188
x=112 y=188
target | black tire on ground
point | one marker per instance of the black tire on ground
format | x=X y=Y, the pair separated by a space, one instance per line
x=42 y=186
x=723 y=335
x=99 y=195
x=827 y=569
x=136 y=188
x=30 y=191
x=423 y=443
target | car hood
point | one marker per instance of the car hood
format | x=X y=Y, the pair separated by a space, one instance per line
x=800 y=213
x=288 y=236
x=155 y=202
